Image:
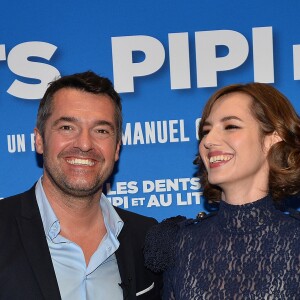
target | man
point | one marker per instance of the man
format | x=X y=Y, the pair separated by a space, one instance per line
x=62 y=239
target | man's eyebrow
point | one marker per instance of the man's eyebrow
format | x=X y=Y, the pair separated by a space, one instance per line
x=75 y=120
x=224 y=119
x=106 y=123
x=65 y=119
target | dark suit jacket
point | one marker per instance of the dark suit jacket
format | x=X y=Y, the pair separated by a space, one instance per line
x=26 y=270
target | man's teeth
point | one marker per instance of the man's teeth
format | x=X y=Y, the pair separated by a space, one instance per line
x=219 y=158
x=81 y=162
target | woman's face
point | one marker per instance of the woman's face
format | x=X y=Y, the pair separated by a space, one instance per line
x=232 y=149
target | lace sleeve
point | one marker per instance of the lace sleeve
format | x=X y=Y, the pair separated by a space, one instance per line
x=160 y=244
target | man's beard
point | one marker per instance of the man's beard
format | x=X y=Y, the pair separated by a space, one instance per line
x=80 y=188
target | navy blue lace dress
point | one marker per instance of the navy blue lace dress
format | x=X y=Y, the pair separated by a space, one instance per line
x=249 y=251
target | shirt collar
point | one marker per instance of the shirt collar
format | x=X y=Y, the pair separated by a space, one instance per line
x=112 y=221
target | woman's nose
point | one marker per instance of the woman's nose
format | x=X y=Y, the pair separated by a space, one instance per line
x=211 y=139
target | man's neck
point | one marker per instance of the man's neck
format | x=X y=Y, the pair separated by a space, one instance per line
x=77 y=217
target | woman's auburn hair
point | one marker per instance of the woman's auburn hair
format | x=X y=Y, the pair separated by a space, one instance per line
x=274 y=113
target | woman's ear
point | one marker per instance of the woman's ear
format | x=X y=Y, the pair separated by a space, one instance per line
x=276 y=137
x=271 y=139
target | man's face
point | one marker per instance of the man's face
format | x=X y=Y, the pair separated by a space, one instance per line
x=80 y=143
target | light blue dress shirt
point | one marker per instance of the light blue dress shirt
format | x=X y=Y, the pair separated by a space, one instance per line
x=77 y=281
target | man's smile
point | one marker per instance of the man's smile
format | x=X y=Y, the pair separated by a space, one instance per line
x=81 y=162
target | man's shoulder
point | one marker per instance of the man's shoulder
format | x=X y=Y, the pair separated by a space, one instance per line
x=14 y=202
x=10 y=201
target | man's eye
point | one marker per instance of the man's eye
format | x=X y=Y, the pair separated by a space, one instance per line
x=104 y=132
x=66 y=127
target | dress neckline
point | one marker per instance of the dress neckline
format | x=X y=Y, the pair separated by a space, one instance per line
x=246 y=218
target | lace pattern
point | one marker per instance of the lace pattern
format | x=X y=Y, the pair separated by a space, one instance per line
x=244 y=252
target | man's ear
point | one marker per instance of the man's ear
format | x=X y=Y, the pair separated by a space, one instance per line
x=39 y=145
x=117 y=153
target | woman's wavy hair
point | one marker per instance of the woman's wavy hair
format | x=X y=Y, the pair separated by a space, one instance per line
x=275 y=113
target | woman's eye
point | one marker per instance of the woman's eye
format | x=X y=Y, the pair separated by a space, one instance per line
x=205 y=132
x=229 y=127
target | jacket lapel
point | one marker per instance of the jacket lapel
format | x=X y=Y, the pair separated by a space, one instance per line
x=36 y=247
x=126 y=264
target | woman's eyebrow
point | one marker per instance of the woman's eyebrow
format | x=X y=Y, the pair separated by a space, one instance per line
x=224 y=119
x=228 y=118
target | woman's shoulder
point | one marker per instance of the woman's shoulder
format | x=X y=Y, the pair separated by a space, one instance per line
x=162 y=240
x=294 y=214
x=289 y=207
x=293 y=222
x=289 y=217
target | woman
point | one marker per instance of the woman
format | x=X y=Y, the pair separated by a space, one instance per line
x=249 y=162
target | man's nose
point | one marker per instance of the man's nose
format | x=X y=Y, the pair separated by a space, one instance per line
x=84 y=140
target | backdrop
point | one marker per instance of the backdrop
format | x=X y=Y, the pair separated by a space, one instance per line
x=165 y=58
